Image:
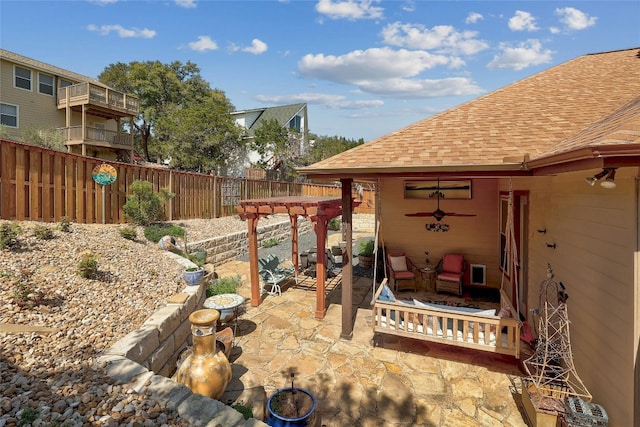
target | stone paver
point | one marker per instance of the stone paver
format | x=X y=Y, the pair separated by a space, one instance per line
x=399 y=382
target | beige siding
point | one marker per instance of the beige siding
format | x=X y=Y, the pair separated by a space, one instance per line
x=36 y=110
x=474 y=237
x=595 y=231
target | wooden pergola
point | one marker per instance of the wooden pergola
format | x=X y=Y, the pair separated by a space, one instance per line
x=319 y=210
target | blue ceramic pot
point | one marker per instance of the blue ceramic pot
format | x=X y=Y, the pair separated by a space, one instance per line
x=193 y=278
x=274 y=419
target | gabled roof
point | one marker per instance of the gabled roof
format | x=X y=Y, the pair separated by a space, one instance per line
x=38 y=65
x=562 y=108
x=282 y=115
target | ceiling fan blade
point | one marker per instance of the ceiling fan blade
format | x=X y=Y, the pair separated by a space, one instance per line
x=459 y=214
x=420 y=214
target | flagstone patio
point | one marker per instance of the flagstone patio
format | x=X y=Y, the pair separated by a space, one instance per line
x=396 y=382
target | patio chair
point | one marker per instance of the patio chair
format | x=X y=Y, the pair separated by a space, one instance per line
x=402 y=272
x=450 y=274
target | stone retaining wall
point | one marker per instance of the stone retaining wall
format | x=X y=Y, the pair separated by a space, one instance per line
x=227 y=248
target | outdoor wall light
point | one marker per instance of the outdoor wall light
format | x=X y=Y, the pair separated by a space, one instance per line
x=610 y=173
x=609 y=180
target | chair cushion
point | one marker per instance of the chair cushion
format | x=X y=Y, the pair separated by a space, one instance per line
x=403 y=275
x=450 y=277
x=453 y=263
x=398 y=263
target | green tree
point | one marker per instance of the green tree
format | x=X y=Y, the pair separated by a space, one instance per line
x=169 y=95
x=272 y=143
x=328 y=146
x=199 y=135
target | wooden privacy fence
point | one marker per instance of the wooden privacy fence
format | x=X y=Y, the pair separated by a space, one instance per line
x=37 y=184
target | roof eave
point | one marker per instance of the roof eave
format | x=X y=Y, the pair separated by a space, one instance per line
x=592 y=156
x=364 y=172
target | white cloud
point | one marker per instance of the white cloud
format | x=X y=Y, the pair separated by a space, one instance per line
x=330 y=101
x=473 y=17
x=187 y=4
x=374 y=63
x=349 y=9
x=203 y=44
x=575 y=19
x=409 y=6
x=257 y=47
x=523 y=21
x=387 y=72
x=444 y=38
x=122 y=32
x=526 y=54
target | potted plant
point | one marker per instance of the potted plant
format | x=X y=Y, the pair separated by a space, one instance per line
x=224 y=285
x=292 y=406
x=365 y=255
x=193 y=275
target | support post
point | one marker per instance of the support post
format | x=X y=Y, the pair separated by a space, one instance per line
x=321 y=267
x=347 y=266
x=293 y=219
x=252 y=221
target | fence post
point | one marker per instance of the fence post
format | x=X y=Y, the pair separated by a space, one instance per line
x=170 y=199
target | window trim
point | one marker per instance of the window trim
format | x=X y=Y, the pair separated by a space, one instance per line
x=15 y=76
x=53 y=84
x=17 y=107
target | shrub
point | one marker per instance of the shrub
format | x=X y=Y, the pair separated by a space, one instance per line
x=155 y=232
x=366 y=248
x=28 y=416
x=224 y=285
x=42 y=232
x=88 y=265
x=24 y=291
x=245 y=410
x=144 y=205
x=65 y=225
x=334 y=225
x=269 y=243
x=129 y=232
x=9 y=235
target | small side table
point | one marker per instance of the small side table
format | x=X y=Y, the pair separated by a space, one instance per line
x=228 y=305
x=428 y=276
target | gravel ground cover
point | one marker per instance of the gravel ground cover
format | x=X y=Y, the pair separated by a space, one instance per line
x=54 y=377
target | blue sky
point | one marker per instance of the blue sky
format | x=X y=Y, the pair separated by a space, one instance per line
x=365 y=68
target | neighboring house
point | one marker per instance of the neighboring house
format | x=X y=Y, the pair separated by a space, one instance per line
x=541 y=137
x=291 y=117
x=88 y=114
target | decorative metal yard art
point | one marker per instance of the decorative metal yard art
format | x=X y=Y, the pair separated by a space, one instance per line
x=104 y=174
x=550 y=368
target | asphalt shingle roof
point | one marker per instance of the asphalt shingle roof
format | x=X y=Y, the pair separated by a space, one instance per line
x=592 y=97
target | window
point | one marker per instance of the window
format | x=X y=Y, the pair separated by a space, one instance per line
x=22 y=78
x=296 y=124
x=65 y=83
x=9 y=115
x=45 y=84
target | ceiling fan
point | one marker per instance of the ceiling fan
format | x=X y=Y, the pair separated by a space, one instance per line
x=438 y=214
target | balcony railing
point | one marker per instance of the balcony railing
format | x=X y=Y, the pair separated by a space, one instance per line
x=94 y=136
x=88 y=93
